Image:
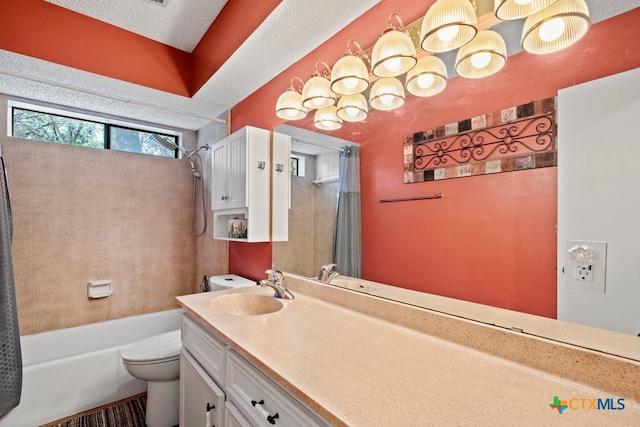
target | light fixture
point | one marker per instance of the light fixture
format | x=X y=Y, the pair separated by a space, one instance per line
x=486 y=54
x=352 y=108
x=394 y=52
x=327 y=119
x=350 y=74
x=386 y=94
x=507 y=10
x=428 y=77
x=316 y=92
x=556 y=27
x=289 y=105
x=447 y=25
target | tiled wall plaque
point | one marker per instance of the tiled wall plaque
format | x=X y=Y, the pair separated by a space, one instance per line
x=513 y=139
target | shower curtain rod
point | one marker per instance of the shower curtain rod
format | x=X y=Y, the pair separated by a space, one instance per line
x=404 y=199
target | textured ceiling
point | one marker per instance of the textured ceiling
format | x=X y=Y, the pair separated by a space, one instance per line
x=291 y=31
x=178 y=23
x=261 y=57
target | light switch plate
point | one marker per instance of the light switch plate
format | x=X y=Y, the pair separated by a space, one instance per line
x=582 y=278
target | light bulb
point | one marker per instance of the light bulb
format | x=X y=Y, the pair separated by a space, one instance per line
x=350 y=82
x=523 y=2
x=447 y=34
x=551 y=30
x=352 y=111
x=386 y=99
x=425 y=80
x=290 y=112
x=392 y=64
x=317 y=101
x=480 y=59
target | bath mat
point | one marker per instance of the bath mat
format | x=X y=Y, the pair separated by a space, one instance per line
x=128 y=412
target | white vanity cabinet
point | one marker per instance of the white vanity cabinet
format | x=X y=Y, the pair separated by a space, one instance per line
x=218 y=387
x=262 y=400
x=201 y=399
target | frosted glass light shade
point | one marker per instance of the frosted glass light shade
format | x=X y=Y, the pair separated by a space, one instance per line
x=386 y=94
x=352 y=108
x=447 y=25
x=327 y=119
x=428 y=77
x=507 y=10
x=393 y=54
x=556 y=27
x=289 y=106
x=316 y=93
x=349 y=76
x=486 y=54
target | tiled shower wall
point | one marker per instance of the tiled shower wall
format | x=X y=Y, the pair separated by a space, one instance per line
x=85 y=214
x=311 y=224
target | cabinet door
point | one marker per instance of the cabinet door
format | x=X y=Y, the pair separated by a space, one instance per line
x=281 y=187
x=237 y=170
x=201 y=400
x=219 y=175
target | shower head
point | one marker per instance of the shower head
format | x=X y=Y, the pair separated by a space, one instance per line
x=166 y=143
x=169 y=145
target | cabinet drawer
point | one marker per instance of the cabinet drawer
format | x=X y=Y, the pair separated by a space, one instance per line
x=206 y=349
x=233 y=417
x=262 y=401
x=201 y=400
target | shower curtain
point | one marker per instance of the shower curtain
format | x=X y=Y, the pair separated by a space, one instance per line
x=347 y=249
x=10 y=353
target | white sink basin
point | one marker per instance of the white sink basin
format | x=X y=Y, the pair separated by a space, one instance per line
x=242 y=304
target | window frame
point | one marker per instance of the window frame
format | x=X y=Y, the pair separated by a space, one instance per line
x=108 y=122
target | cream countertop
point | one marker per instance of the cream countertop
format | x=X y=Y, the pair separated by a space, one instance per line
x=358 y=370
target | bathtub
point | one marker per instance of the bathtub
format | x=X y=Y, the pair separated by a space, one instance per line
x=71 y=370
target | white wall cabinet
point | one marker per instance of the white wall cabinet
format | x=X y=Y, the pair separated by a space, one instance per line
x=213 y=375
x=245 y=174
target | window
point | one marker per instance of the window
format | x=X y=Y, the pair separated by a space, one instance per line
x=297 y=165
x=63 y=127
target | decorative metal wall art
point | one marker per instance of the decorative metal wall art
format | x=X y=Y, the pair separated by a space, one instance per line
x=516 y=138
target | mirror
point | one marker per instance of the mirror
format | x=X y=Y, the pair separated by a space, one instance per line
x=314 y=189
x=283 y=254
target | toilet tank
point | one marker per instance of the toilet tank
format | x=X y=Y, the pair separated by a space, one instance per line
x=229 y=281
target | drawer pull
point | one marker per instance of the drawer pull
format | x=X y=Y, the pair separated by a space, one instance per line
x=272 y=419
x=254 y=403
x=208 y=417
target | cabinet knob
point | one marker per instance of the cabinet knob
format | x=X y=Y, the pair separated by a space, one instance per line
x=262 y=164
x=279 y=167
x=254 y=402
x=272 y=418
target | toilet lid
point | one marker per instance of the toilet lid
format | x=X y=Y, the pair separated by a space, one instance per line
x=163 y=346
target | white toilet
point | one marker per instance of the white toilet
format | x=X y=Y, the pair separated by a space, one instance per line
x=157 y=360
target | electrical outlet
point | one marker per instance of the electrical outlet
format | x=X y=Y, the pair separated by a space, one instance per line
x=584 y=274
x=589 y=278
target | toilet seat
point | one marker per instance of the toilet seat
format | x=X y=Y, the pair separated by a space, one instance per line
x=157 y=349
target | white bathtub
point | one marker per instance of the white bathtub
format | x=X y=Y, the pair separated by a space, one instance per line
x=75 y=369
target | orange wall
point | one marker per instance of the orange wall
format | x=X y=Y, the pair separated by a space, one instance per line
x=491 y=239
x=46 y=31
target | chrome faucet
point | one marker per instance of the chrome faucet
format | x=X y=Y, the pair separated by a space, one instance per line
x=327 y=273
x=277 y=283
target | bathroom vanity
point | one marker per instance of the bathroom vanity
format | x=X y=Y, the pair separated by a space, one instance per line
x=343 y=357
x=219 y=387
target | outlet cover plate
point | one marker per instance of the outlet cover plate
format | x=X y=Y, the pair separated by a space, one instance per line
x=581 y=278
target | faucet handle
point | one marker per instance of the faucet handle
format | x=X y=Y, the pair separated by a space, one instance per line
x=276 y=275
